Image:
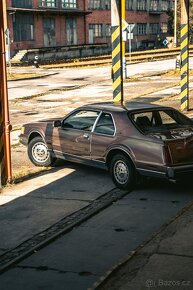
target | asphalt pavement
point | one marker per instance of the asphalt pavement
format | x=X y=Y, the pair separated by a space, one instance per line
x=142 y=241
x=82 y=257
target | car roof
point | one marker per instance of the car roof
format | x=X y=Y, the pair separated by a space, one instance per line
x=128 y=106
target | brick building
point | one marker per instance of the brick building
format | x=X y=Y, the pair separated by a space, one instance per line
x=56 y=23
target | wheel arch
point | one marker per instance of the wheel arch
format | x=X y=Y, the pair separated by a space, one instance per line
x=116 y=151
x=34 y=134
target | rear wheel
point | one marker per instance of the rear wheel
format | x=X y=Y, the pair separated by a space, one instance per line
x=122 y=171
x=38 y=152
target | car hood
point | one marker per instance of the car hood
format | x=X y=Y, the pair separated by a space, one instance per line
x=49 y=120
x=44 y=121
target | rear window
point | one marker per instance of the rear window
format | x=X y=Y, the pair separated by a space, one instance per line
x=160 y=120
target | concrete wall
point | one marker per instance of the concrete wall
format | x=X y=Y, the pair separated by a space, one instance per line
x=62 y=53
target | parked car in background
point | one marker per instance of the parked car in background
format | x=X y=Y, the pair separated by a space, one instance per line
x=128 y=140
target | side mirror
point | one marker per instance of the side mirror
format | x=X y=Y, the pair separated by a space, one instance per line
x=57 y=124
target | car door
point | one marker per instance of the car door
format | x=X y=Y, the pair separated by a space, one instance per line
x=104 y=134
x=74 y=136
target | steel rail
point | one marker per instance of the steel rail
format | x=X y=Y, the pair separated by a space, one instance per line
x=136 y=56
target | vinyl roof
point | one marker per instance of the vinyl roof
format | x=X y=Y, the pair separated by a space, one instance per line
x=128 y=106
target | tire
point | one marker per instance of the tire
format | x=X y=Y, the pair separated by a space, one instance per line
x=38 y=153
x=122 y=172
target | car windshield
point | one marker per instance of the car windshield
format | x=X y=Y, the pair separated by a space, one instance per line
x=160 y=120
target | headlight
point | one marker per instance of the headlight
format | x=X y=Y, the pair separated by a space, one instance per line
x=22 y=130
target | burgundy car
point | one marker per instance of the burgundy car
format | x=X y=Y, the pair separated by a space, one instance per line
x=129 y=140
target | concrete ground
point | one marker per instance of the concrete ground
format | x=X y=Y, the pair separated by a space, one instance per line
x=165 y=262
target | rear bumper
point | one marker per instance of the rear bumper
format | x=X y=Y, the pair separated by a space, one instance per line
x=176 y=172
x=169 y=172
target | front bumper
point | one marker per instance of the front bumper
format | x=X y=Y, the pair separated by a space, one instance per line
x=23 y=139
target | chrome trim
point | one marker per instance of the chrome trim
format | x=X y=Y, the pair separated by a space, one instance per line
x=153 y=171
x=78 y=110
x=97 y=121
x=77 y=156
x=94 y=125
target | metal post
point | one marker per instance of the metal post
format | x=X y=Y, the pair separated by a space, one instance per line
x=175 y=23
x=123 y=15
x=5 y=127
x=184 y=67
x=116 y=34
x=129 y=42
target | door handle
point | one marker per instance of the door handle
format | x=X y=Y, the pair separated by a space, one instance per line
x=86 y=136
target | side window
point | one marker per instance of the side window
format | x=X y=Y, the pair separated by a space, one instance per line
x=80 y=120
x=105 y=125
x=166 y=119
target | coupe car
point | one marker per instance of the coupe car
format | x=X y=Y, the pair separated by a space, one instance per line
x=128 y=140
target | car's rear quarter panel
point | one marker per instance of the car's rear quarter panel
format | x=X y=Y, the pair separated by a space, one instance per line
x=146 y=152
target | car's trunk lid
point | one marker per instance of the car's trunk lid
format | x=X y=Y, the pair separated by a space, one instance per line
x=178 y=143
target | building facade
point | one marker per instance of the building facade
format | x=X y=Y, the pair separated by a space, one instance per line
x=56 y=23
x=148 y=17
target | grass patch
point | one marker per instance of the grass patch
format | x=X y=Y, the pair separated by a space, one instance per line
x=25 y=172
x=175 y=73
x=17 y=76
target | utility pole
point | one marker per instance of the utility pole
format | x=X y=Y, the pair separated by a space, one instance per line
x=5 y=127
x=184 y=66
x=117 y=61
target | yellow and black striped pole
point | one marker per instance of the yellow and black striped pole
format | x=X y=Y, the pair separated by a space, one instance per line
x=184 y=67
x=116 y=34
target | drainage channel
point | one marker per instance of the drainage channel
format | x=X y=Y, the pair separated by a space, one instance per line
x=60 y=228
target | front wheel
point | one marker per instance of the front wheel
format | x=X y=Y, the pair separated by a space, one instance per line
x=38 y=153
x=122 y=171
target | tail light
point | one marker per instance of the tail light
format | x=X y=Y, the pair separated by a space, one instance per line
x=167 y=155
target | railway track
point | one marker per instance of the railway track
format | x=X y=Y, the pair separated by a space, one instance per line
x=62 y=227
x=136 y=56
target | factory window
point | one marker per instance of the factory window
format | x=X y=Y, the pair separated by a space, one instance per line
x=164 y=27
x=22 y=3
x=69 y=4
x=99 y=4
x=48 y=3
x=164 y=5
x=154 y=5
x=141 y=5
x=71 y=31
x=97 y=29
x=154 y=28
x=23 y=27
x=141 y=28
x=129 y=4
